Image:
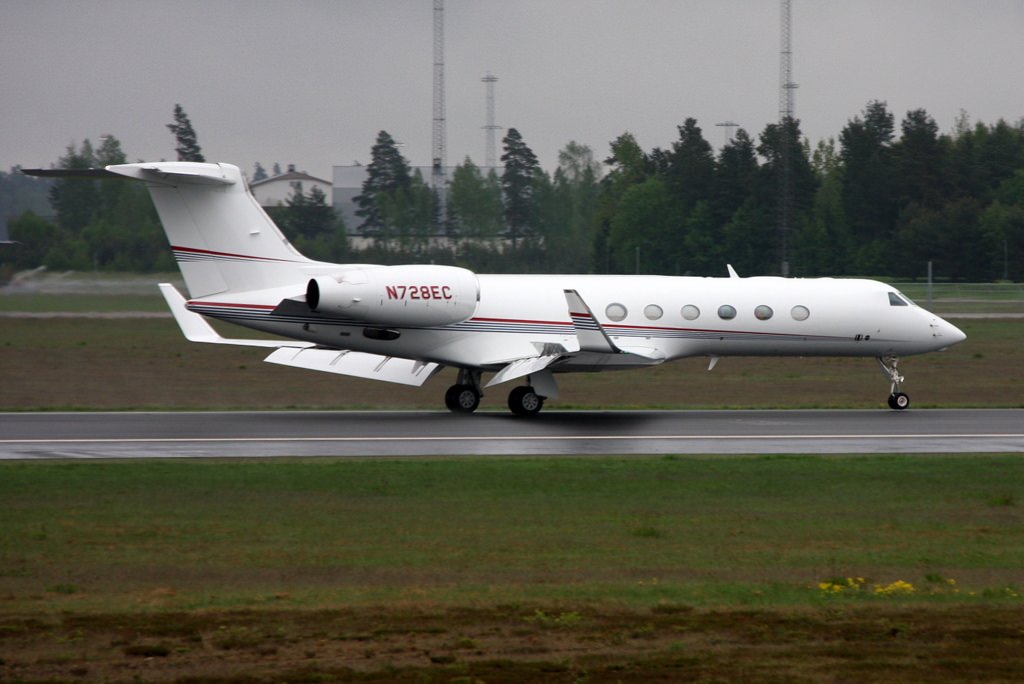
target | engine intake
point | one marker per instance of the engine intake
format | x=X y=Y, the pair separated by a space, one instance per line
x=416 y=296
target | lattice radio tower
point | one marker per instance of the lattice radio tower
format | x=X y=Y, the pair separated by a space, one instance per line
x=439 y=173
x=490 y=151
x=786 y=115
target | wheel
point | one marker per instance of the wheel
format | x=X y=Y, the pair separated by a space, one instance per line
x=899 y=401
x=523 y=401
x=462 y=399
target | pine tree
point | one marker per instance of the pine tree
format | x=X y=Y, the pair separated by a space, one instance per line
x=920 y=162
x=691 y=165
x=517 y=184
x=475 y=201
x=76 y=201
x=735 y=177
x=628 y=166
x=868 y=187
x=187 y=147
x=788 y=163
x=568 y=212
x=387 y=173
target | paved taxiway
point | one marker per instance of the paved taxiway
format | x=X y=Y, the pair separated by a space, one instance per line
x=382 y=433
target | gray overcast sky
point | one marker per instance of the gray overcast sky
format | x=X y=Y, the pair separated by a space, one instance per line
x=311 y=82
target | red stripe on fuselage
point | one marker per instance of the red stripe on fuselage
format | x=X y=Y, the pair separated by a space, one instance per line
x=193 y=250
x=517 y=320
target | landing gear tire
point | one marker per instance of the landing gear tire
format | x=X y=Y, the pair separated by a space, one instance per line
x=462 y=399
x=523 y=401
x=899 y=401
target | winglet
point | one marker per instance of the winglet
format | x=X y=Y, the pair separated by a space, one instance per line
x=195 y=328
x=732 y=271
x=594 y=338
x=591 y=335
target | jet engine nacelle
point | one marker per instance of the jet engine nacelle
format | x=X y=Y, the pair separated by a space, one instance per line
x=397 y=295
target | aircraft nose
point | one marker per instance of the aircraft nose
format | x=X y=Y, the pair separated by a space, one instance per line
x=947 y=333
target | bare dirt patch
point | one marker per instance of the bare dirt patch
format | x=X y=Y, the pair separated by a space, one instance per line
x=517 y=643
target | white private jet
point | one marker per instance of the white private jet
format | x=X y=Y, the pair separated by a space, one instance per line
x=403 y=324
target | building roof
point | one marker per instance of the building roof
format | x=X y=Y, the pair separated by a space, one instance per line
x=291 y=176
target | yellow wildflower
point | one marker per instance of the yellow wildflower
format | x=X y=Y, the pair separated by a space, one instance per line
x=895 y=588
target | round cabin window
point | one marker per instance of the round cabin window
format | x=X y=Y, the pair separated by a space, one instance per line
x=726 y=312
x=690 y=312
x=653 y=312
x=615 y=312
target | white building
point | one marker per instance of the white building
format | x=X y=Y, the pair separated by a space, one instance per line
x=273 y=192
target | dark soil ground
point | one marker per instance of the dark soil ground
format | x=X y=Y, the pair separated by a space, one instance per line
x=669 y=643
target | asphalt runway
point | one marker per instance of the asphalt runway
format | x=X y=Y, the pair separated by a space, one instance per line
x=410 y=434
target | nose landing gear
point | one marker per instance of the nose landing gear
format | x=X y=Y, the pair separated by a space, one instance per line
x=897 y=399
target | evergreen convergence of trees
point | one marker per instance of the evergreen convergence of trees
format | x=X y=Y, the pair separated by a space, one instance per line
x=881 y=199
x=880 y=202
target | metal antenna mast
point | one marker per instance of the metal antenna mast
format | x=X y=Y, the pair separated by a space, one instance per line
x=786 y=126
x=438 y=176
x=729 y=128
x=490 y=151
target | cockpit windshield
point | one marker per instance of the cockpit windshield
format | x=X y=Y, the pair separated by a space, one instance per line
x=899 y=299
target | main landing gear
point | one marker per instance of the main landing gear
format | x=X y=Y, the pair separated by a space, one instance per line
x=464 y=396
x=523 y=401
x=897 y=399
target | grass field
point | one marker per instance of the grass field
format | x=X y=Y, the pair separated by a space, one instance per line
x=774 y=569
x=760 y=568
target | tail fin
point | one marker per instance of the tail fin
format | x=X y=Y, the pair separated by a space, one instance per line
x=222 y=239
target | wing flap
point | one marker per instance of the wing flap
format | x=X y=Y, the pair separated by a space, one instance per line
x=523 y=367
x=650 y=353
x=357 y=364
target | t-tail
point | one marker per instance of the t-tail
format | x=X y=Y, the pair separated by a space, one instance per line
x=222 y=239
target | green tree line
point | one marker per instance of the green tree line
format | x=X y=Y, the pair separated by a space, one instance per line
x=878 y=199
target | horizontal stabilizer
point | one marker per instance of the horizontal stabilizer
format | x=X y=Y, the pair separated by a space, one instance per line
x=195 y=328
x=170 y=173
x=357 y=364
x=70 y=173
x=174 y=173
